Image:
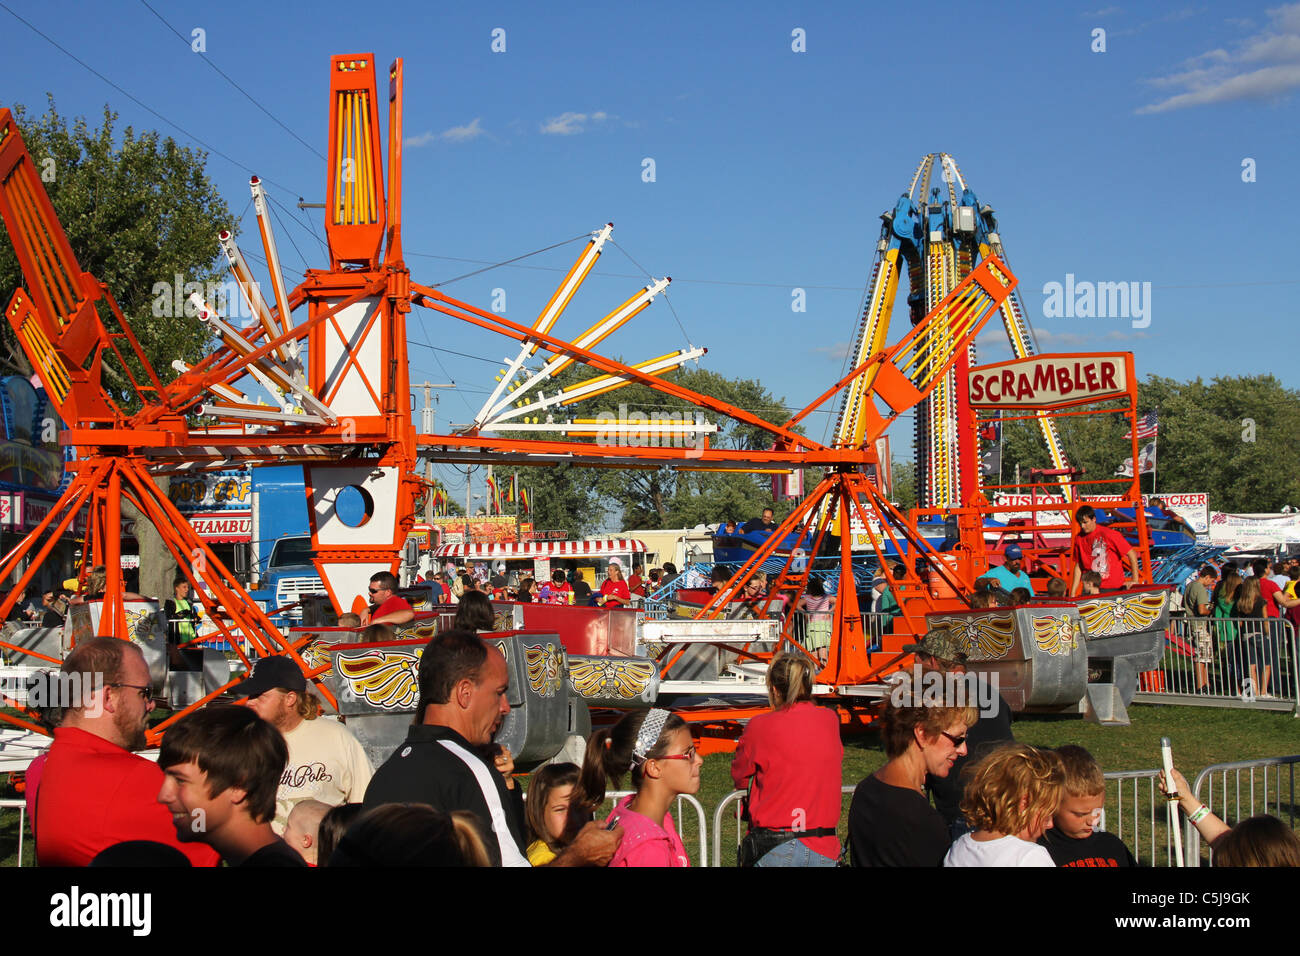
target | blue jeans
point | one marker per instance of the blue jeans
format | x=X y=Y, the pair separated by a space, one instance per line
x=794 y=853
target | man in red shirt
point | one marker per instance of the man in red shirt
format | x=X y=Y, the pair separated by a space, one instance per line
x=387 y=606
x=1101 y=549
x=93 y=792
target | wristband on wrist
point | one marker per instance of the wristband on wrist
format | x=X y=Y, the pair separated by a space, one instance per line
x=1199 y=815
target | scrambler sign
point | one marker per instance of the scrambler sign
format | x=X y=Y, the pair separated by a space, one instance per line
x=1051 y=380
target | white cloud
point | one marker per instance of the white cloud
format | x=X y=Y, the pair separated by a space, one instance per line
x=839 y=351
x=456 y=134
x=1225 y=76
x=570 y=123
x=462 y=134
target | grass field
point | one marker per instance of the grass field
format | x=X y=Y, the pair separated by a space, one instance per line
x=1201 y=736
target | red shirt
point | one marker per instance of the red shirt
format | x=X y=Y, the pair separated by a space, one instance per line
x=1103 y=551
x=93 y=794
x=636 y=585
x=616 y=593
x=391 y=606
x=795 y=757
x=1268 y=589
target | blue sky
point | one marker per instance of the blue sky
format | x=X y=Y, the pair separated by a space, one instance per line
x=771 y=166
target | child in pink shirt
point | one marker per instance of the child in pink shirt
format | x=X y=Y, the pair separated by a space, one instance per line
x=656 y=748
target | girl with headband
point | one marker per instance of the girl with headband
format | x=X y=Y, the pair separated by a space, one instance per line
x=655 y=747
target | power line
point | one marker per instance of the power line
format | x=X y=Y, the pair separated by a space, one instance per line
x=497 y=265
x=230 y=80
x=144 y=106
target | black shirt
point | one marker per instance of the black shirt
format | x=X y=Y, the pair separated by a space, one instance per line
x=893 y=826
x=987 y=733
x=1100 y=849
x=278 y=853
x=421 y=770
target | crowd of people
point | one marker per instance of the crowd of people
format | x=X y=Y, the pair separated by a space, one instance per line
x=276 y=784
x=618 y=589
x=1236 y=621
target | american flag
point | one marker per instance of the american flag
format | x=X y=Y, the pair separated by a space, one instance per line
x=1148 y=427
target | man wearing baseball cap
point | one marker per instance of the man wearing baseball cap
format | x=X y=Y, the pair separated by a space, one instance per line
x=326 y=762
x=1011 y=575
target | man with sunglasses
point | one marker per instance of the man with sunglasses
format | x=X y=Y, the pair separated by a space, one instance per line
x=387 y=607
x=92 y=792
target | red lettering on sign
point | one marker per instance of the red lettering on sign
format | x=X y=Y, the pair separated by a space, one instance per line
x=1091 y=374
x=1108 y=374
x=1063 y=380
x=976 y=388
x=1008 y=380
x=1023 y=388
x=1043 y=378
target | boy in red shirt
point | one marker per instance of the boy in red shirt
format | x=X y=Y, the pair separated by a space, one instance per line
x=1101 y=549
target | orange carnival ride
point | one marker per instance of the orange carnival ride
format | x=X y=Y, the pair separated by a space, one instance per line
x=331 y=353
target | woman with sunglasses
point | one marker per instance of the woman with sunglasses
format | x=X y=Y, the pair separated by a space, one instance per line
x=656 y=749
x=891 y=823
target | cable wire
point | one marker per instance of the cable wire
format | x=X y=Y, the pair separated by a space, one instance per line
x=230 y=80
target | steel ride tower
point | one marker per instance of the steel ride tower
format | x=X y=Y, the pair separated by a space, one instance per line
x=939 y=232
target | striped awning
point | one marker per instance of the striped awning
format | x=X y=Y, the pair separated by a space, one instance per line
x=519 y=550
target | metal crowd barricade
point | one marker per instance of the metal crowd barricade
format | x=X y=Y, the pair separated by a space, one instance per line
x=700 y=819
x=1139 y=809
x=1220 y=662
x=1125 y=816
x=734 y=798
x=21 y=806
x=1238 y=799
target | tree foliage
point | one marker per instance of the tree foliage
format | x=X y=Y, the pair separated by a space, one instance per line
x=584 y=499
x=138 y=210
x=1233 y=438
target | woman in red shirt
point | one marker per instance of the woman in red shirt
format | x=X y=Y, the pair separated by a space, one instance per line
x=793 y=756
x=614 y=592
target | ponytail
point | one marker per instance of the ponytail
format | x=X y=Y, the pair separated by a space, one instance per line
x=609 y=756
x=789 y=680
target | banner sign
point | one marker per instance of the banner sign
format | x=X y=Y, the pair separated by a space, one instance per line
x=223 y=525
x=1254 y=530
x=1048 y=380
x=214 y=491
x=1192 y=507
x=485 y=529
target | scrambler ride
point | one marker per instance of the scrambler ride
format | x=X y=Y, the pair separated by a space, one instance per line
x=331 y=356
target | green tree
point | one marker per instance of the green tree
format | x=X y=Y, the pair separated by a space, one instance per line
x=582 y=500
x=138 y=210
x=671 y=497
x=1233 y=438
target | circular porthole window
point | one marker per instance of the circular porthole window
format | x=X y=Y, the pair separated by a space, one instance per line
x=354 y=506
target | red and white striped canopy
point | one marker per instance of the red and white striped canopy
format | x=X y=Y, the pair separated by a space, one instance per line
x=507 y=550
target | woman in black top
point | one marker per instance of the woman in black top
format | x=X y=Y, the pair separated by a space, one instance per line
x=891 y=823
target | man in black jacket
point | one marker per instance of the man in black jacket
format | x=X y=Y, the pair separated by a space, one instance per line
x=463 y=688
